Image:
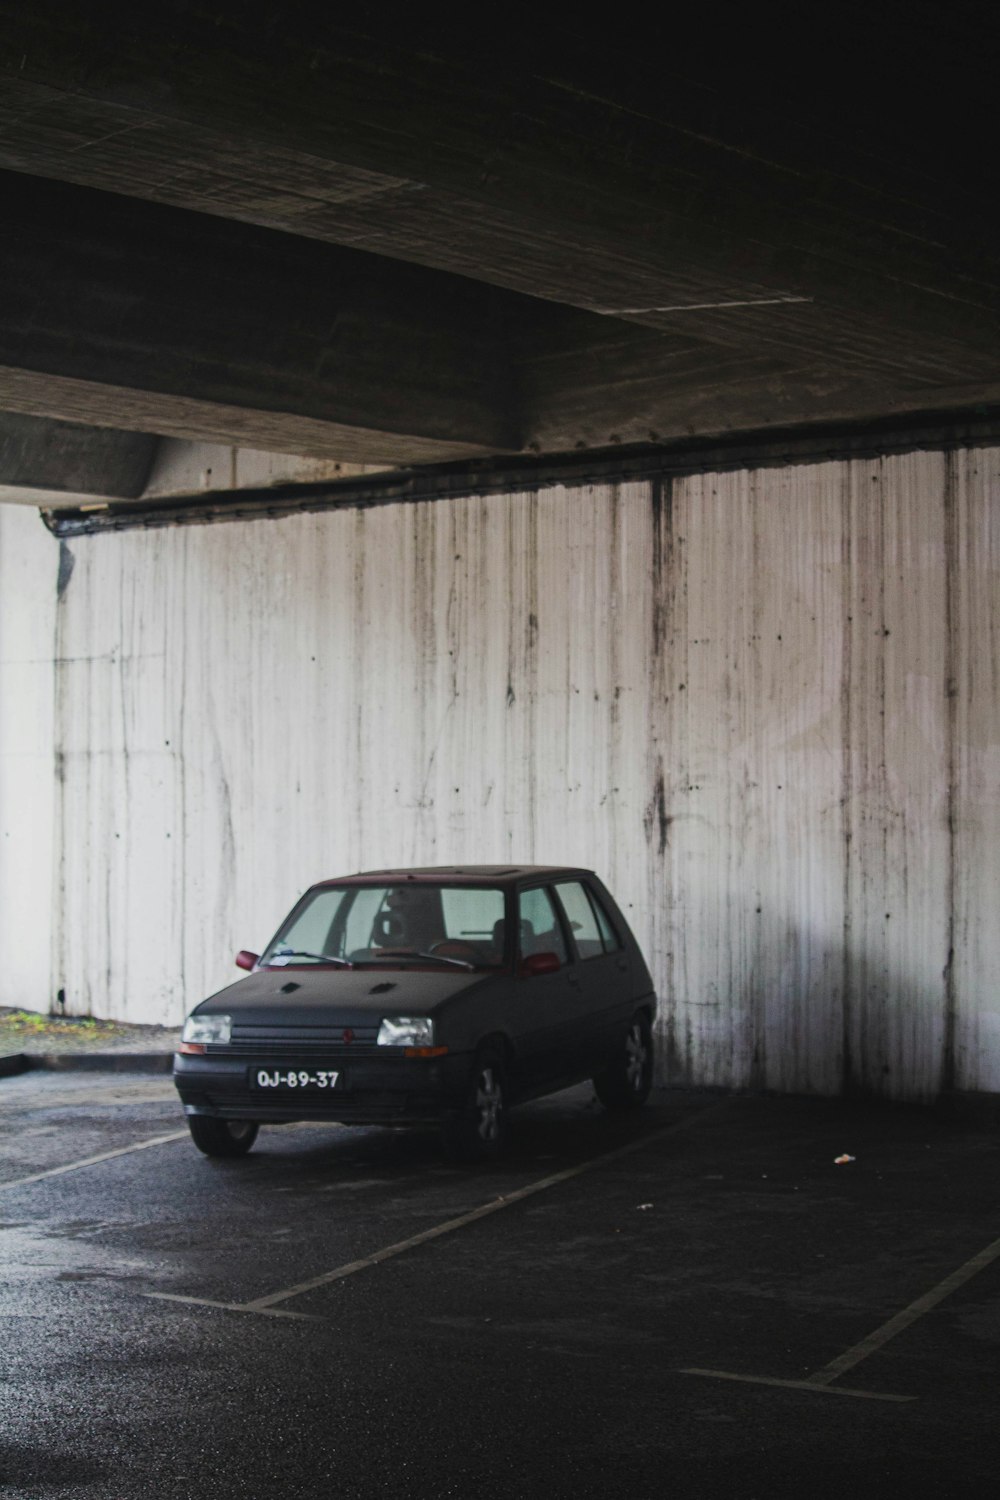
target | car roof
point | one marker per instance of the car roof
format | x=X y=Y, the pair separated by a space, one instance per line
x=467 y=874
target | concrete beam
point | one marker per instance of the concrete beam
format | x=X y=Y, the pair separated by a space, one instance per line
x=118 y=312
x=740 y=192
x=312 y=200
x=629 y=385
x=41 y=459
x=181 y=468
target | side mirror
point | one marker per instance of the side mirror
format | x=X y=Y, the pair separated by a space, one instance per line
x=245 y=959
x=539 y=963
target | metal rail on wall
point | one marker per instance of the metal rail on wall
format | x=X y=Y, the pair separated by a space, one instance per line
x=769 y=449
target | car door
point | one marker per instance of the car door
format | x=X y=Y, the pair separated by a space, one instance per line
x=549 y=1004
x=600 y=969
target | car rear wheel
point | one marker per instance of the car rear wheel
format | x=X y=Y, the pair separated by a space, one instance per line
x=478 y=1132
x=627 y=1082
x=222 y=1137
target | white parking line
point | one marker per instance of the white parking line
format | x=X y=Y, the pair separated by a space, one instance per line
x=91 y=1161
x=266 y=1306
x=809 y=1384
x=822 y=1380
x=232 y=1306
x=908 y=1316
x=351 y=1267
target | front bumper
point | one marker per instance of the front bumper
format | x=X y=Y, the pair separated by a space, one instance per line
x=392 y=1090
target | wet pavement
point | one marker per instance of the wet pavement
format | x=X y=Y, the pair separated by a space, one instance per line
x=695 y=1302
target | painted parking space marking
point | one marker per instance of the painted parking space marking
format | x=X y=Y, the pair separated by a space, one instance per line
x=822 y=1380
x=233 y=1306
x=267 y=1305
x=92 y=1161
x=909 y=1315
x=809 y=1384
x=364 y=1262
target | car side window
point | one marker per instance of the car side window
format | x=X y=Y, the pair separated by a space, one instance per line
x=581 y=918
x=538 y=925
x=609 y=937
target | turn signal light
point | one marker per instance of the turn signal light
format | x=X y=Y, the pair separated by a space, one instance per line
x=198 y=1048
x=424 y=1051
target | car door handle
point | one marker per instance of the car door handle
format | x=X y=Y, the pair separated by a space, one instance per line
x=573 y=980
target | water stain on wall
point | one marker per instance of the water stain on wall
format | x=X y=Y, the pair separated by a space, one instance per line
x=766 y=708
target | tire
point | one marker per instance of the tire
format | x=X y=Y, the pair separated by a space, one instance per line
x=627 y=1082
x=222 y=1137
x=478 y=1132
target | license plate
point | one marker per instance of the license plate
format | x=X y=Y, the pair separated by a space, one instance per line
x=301 y=1080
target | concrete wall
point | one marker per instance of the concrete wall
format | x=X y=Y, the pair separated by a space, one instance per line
x=29 y=583
x=764 y=706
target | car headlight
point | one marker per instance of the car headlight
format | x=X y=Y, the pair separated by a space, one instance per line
x=205 y=1031
x=406 y=1031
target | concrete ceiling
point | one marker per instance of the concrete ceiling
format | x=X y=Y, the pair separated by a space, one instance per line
x=361 y=235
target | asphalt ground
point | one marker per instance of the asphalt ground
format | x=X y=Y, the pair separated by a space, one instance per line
x=697 y=1301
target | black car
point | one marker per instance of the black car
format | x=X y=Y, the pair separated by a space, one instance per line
x=406 y=996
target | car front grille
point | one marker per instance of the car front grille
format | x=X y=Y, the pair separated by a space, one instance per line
x=269 y=1040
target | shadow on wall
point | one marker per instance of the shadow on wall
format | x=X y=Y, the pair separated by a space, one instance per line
x=797 y=1008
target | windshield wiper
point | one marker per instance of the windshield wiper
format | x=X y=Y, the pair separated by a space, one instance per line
x=325 y=958
x=443 y=958
x=386 y=960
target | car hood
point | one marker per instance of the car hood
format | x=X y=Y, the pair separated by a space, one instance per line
x=268 y=994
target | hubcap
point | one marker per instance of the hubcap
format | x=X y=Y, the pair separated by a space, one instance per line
x=489 y=1105
x=636 y=1053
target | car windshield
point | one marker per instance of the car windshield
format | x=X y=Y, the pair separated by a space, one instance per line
x=454 y=926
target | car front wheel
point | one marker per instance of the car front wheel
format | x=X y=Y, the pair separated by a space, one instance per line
x=222 y=1137
x=478 y=1132
x=627 y=1082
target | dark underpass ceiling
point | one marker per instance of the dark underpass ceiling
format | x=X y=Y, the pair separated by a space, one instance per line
x=357 y=233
